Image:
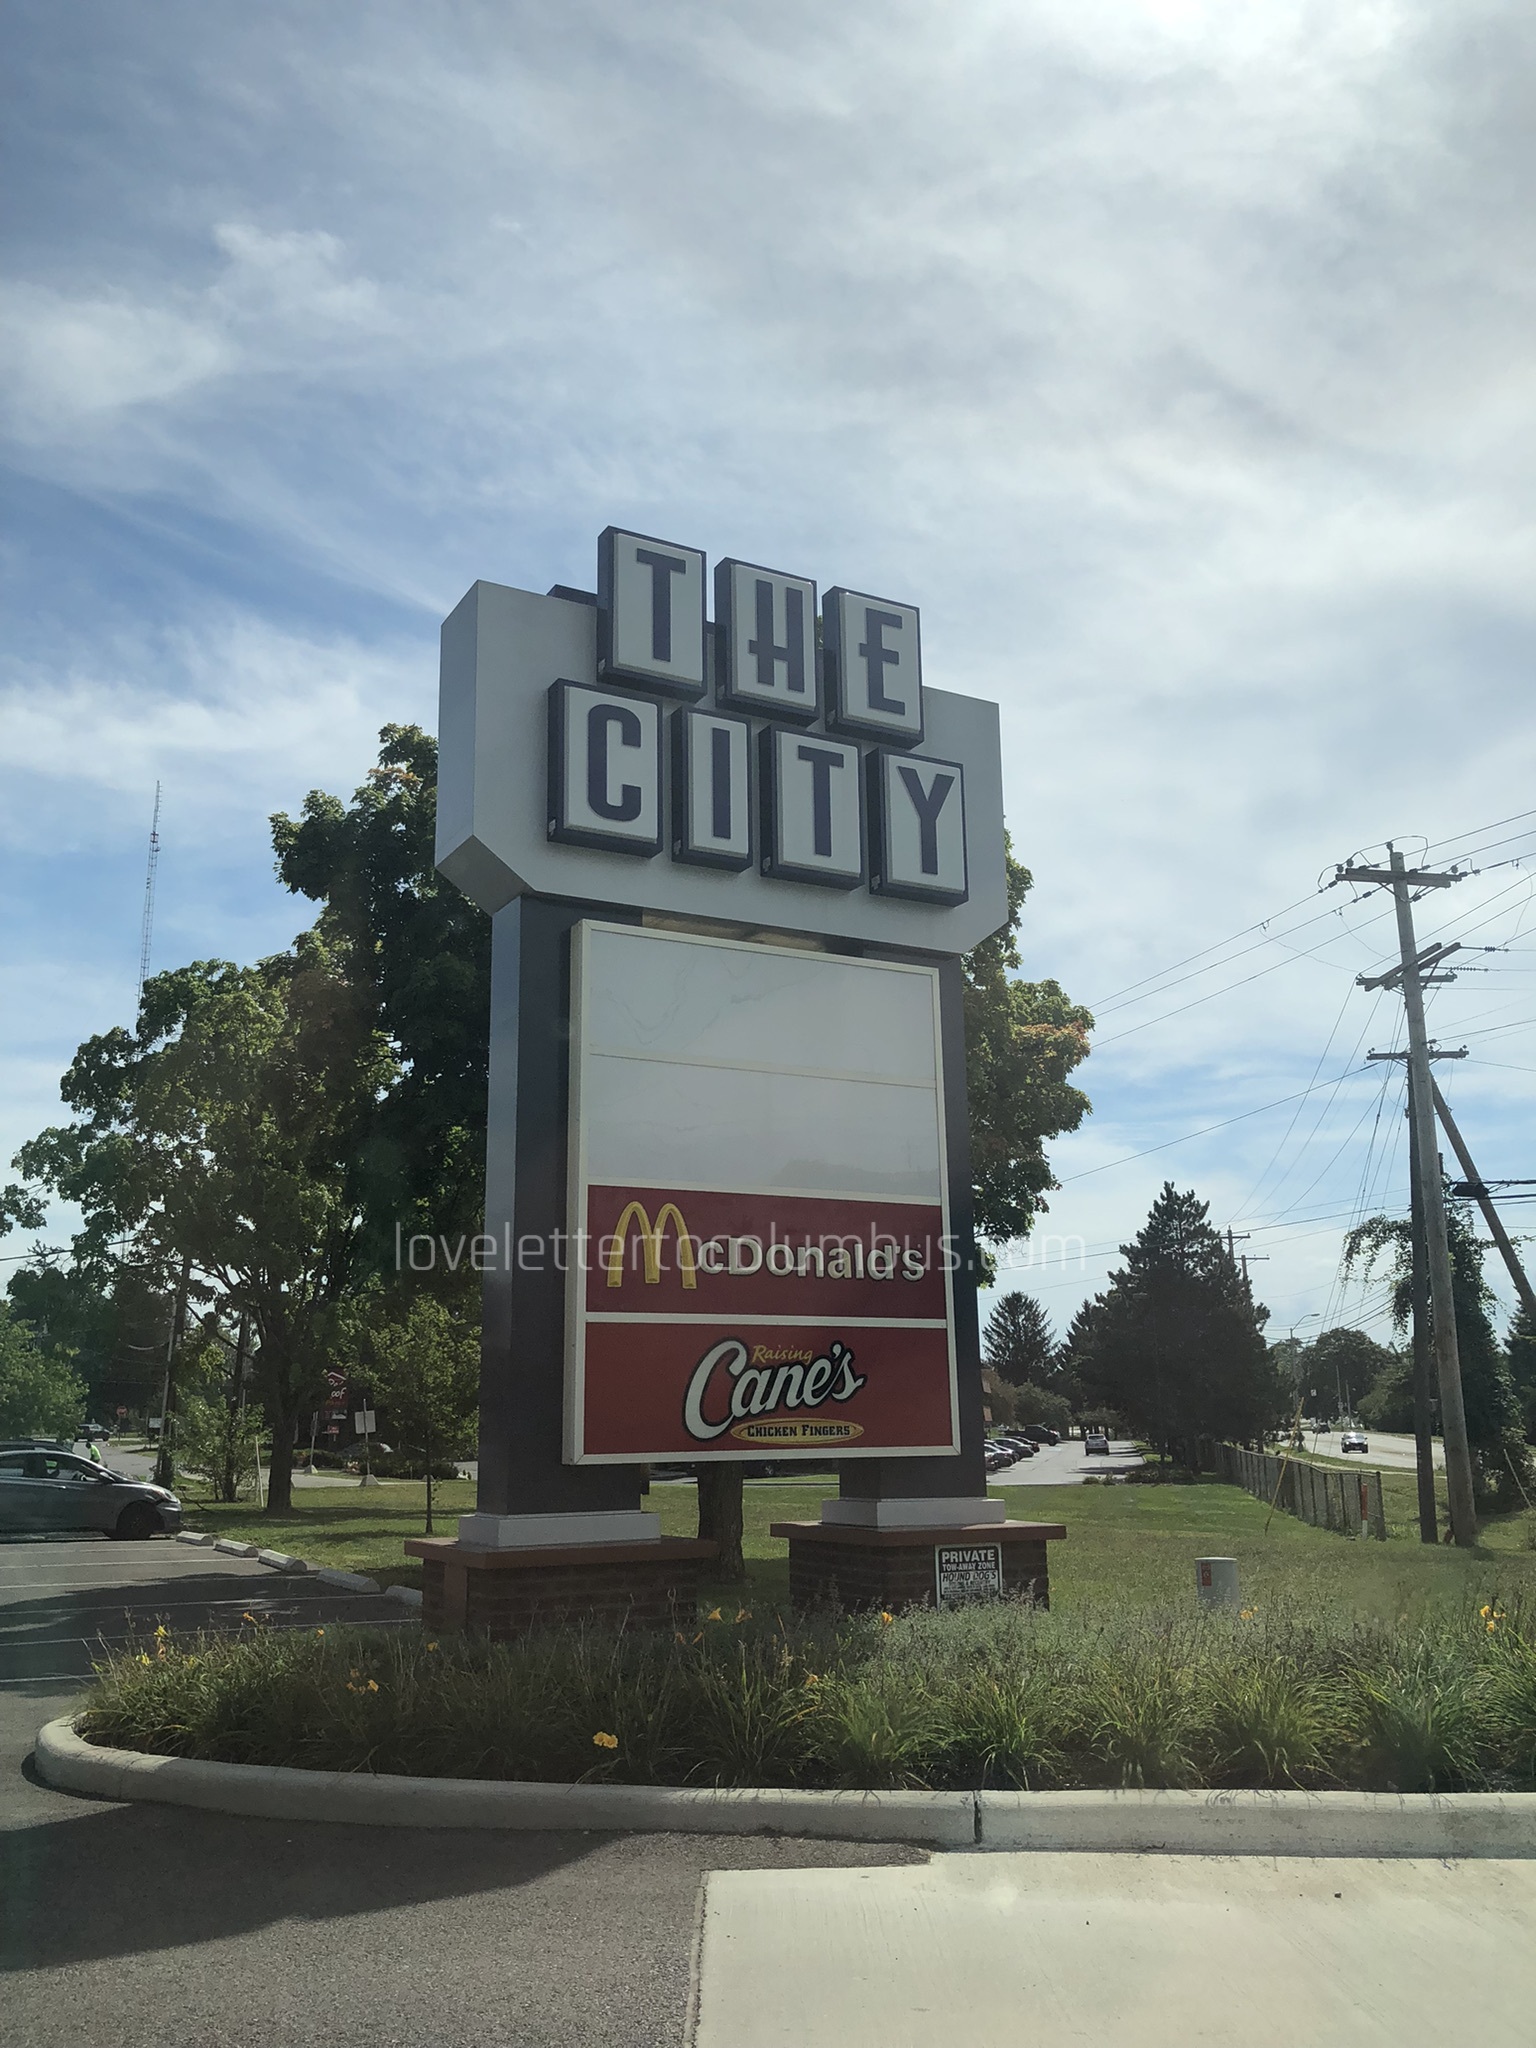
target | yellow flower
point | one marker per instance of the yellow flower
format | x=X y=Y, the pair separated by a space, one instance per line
x=811 y=1678
x=1246 y=1613
x=886 y=1618
x=699 y=1637
x=142 y=1658
x=319 y=1631
x=603 y=1741
x=1485 y=1612
x=743 y=1614
x=713 y=1614
x=431 y=1646
x=248 y=1617
x=373 y=1685
x=162 y=1631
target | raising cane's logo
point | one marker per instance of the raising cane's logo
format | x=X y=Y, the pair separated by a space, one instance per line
x=746 y=1393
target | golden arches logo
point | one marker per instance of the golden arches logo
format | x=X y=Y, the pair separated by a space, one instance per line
x=650 y=1244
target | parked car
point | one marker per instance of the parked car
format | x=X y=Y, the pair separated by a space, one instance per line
x=996 y=1459
x=1038 y=1433
x=44 y=1489
x=1096 y=1443
x=95 y=1433
x=1352 y=1440
x=1019 y=1445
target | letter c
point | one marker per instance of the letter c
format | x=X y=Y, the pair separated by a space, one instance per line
x=709 y=1255
x=733 y=1355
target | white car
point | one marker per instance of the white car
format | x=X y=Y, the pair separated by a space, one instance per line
x=1096 y=1442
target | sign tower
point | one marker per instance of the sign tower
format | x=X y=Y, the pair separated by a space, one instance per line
x=732 y=866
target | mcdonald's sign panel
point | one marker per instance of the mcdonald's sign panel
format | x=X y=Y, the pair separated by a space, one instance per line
x=759 y=1261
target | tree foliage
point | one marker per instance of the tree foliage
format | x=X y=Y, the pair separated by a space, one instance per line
x=418 y=953
x=1336 y=1369
x=1495 y=1423
x=1023 y=1040
x=424 y=1369
x=1521 y=1352
x=226 y=1131
x=1175 y=1344
x=40 y=1392
x=1018 y=1341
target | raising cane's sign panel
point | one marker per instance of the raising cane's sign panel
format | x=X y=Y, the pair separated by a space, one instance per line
x=760 y=1261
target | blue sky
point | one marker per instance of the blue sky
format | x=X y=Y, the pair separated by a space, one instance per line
x=1175 y=357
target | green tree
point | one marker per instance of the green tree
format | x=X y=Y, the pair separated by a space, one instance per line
x=425 y=1372
x=1175 y=1344
x=1495 y=1425
x=1018 y=1341
x=418 y=952
x=40 y=1392
x=1337 y=1369
x=1521 y=1353
x=1032 y=1403
x=224 y=1134
x=1023 y=1041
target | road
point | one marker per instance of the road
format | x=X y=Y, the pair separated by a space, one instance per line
x=1391 y=1453
x=1068 y=1464
x=138 y=1926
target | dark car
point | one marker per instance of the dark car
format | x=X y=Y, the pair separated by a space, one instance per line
x=1352 y=1440
x=1038 y=1433
x=42 y=1489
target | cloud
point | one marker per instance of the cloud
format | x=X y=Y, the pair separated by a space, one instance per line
x=1174 y=355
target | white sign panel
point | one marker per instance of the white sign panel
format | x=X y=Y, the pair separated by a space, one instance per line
x=814 y=809
x=758 y=1257
x=766 y=623
x=917 y=827
x=651 y=608
x=605 y=769
x=967 y=1571
x=874 y=668
x=711 y=789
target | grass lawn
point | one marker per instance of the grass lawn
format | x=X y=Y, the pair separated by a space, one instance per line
x=1126 y=1546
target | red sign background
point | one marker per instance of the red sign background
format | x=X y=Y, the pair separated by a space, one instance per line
x=777 y=1326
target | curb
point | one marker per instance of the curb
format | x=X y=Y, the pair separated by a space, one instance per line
x=65 y=1761
x=281 y=1561
x=1358 y=1824
x=354 y=1582
x=1232 y=1823
x=233 y=1549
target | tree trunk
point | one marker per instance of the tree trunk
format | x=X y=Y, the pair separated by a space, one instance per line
x=280 y=1469
x=720 y=1503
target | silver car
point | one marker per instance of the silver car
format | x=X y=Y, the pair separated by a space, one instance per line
x=43 y=1489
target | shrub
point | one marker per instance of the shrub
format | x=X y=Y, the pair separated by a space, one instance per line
x=995 y=1695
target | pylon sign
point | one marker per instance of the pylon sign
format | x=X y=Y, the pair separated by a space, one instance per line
x=759 y=1259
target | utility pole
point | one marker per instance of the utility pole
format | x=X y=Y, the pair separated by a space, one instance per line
x=1453 y=1417
x=1479 y=1191
x=1423 y=1348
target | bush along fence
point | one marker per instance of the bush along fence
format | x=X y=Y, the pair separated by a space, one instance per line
x=1349 y=1503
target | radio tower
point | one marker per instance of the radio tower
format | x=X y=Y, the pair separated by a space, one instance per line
x=149 y=903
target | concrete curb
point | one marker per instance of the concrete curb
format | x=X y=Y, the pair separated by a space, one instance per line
x=64 y=1760
x=1446 y=1824
x=407 y=1596
x=233 y=1549
x=194 y=1536
x=280 y=1561
x=1373 y=1824
x=354 y=1582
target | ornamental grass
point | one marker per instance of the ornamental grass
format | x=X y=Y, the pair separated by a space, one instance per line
x=1003 y=1695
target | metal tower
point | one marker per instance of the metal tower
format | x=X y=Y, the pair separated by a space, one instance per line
x=149 y=902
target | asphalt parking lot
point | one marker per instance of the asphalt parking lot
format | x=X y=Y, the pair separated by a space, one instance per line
x=138 y=1926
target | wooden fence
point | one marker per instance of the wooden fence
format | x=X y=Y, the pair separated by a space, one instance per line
x=1349 y=1503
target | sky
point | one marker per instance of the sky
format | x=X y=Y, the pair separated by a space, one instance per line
x=1174 y=357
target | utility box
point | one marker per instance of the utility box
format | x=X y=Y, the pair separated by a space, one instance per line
x=1216 y=1581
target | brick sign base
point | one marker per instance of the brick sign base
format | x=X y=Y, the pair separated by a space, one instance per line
x=504 y=1593
x=839 y=1565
